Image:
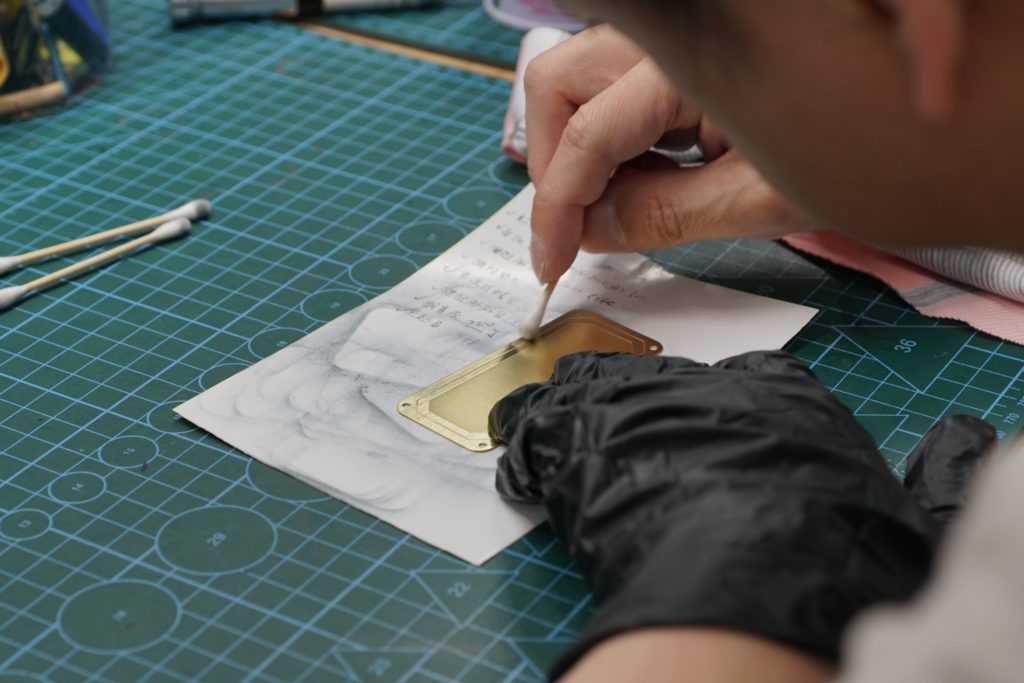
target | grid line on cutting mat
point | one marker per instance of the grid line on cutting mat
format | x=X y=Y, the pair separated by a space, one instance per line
x=322 y=159
x=354 y=147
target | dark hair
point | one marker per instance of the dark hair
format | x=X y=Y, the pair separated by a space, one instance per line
x=694 y=12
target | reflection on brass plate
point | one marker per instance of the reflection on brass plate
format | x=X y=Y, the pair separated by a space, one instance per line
x=457 y=406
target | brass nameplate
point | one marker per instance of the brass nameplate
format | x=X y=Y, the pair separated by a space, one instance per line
x=457 y=406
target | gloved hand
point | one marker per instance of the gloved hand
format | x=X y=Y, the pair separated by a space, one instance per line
x=740 y=495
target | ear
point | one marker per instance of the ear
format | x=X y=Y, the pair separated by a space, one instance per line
x=933 y=34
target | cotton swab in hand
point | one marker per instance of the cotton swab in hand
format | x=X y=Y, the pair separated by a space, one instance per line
x=530 y=326
x=177 y=227
x=196 y=210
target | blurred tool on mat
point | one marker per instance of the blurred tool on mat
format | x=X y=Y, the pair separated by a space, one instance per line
x=49 y=49
x=186 y=11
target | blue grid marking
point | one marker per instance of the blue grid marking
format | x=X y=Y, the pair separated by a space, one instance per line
x=319 y=156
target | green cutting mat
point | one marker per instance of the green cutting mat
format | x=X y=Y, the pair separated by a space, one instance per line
x=135 y=548
x=459 y=28
x=898 y=371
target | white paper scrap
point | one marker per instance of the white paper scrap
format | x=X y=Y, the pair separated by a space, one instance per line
x=324 y=408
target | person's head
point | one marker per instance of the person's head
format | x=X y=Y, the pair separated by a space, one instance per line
x=902 y=120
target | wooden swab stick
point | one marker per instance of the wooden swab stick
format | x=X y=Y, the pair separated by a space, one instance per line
x=168 y=231
x=530 y=326
x=31 y=98
x=193 y=211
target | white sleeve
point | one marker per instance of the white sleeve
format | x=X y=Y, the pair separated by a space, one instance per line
x=967 y=625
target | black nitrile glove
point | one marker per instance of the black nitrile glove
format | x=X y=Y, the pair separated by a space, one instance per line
x=740 y=495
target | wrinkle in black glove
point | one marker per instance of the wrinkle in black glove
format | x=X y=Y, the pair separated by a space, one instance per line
x=741 y=495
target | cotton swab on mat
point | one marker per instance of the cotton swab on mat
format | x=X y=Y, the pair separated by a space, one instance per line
x=196 y=210
x=530 y=326
x=177 y=227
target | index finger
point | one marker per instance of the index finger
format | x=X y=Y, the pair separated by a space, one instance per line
x=560 y=80
x=617 y=125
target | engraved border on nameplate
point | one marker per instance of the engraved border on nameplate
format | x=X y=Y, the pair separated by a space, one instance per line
x=456 y=406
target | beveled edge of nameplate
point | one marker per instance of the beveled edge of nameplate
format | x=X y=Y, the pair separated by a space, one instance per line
x=415 y=406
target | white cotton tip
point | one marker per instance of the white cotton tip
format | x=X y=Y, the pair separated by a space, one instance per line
x=196 y=210
x=530 y=326
x=7 y=264
x=10 y=296
x=171 y=229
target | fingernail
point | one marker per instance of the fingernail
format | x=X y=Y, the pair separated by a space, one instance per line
x=604 y=233
x=537 y=257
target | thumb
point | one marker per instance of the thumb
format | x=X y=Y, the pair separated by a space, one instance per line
x=944 y=463
x=643 y=210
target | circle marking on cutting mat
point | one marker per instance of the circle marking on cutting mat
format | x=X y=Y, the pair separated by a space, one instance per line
x=271 y=341
x=508 y=172
x=380 y=272
x=327 y=305
x=118 y=616
x=429 y=238
x=128 y=451
x=21 y=525
x=219 y=373
x=216 y=540
x=476 y=203
x=279 y=485
x=165 y=419
x=78 y=487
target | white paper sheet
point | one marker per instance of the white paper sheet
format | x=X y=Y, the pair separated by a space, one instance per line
x=324 y=408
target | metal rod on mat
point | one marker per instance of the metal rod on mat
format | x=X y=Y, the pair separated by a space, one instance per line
x=186 y=11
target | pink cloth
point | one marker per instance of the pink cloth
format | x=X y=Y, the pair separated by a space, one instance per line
x=931 y=294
